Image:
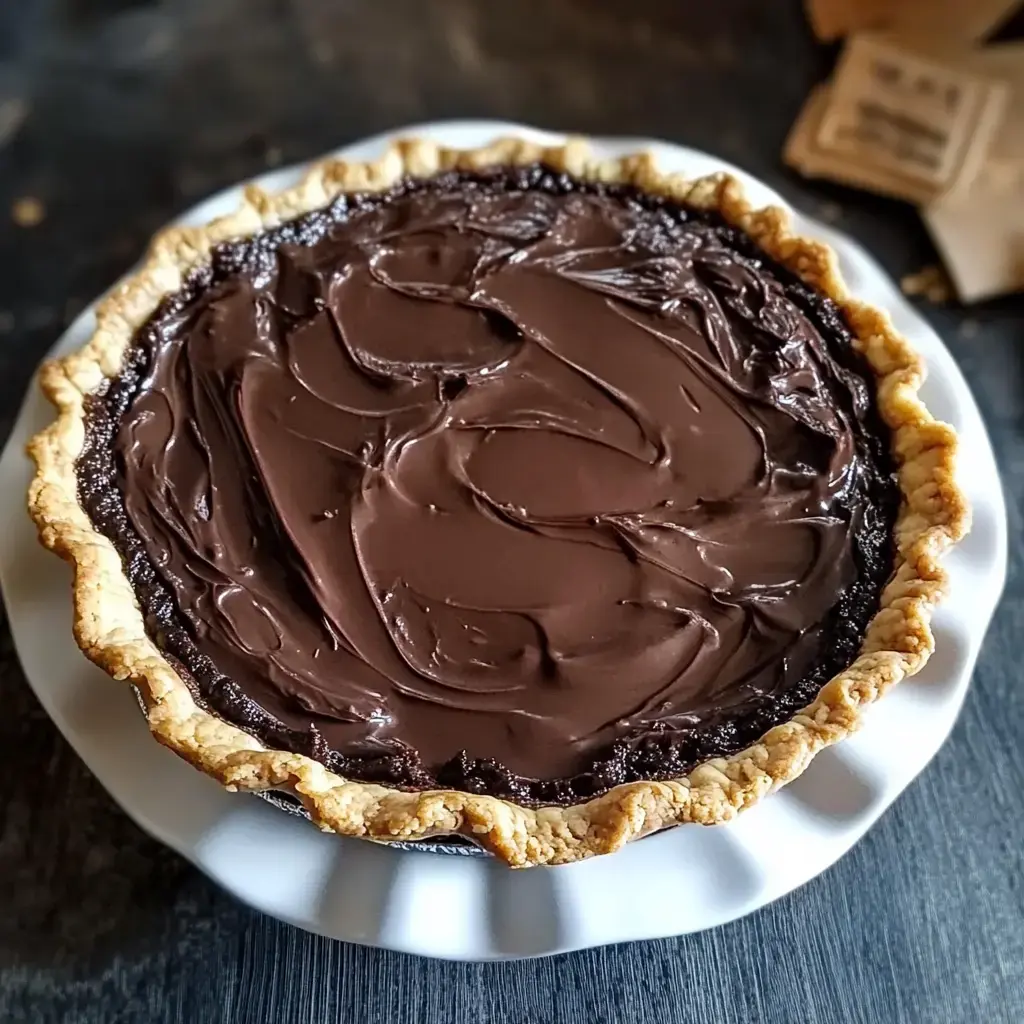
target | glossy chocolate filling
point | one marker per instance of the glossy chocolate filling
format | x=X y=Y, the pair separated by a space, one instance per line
x=503 y=482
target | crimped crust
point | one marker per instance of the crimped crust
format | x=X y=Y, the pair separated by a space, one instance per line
x=110 y=630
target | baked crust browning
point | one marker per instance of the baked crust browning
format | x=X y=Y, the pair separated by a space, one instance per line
x=110 y=629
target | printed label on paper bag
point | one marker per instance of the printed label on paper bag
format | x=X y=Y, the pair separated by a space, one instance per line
x=804 y=154
x=903 y=112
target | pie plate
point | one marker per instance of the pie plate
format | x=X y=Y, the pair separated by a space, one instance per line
x=473 y=908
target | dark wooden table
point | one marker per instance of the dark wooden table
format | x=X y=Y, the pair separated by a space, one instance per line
x=114 y=115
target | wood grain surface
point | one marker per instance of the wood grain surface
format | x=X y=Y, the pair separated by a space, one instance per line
x=114 y=115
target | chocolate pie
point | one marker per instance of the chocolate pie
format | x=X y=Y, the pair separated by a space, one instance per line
x=505 y=493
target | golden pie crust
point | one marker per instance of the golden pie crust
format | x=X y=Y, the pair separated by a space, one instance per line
x=109 y=626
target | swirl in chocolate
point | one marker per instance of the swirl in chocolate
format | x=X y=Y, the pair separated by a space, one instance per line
x=484 y=482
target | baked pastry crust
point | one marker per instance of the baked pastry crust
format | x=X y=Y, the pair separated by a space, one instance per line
x=110 y=630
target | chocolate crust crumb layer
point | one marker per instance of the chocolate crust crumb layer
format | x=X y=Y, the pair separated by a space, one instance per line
x=112 y=631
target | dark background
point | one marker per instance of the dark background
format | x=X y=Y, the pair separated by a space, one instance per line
x=116 y=115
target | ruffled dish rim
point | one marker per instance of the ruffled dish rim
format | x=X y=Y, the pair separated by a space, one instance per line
x=110 y=630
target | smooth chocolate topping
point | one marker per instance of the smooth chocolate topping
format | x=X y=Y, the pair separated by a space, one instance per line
x=504 y=481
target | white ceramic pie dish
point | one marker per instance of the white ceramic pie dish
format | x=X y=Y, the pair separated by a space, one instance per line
x=473 y=908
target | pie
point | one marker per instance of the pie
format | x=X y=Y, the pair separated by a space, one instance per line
x=506 y=493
